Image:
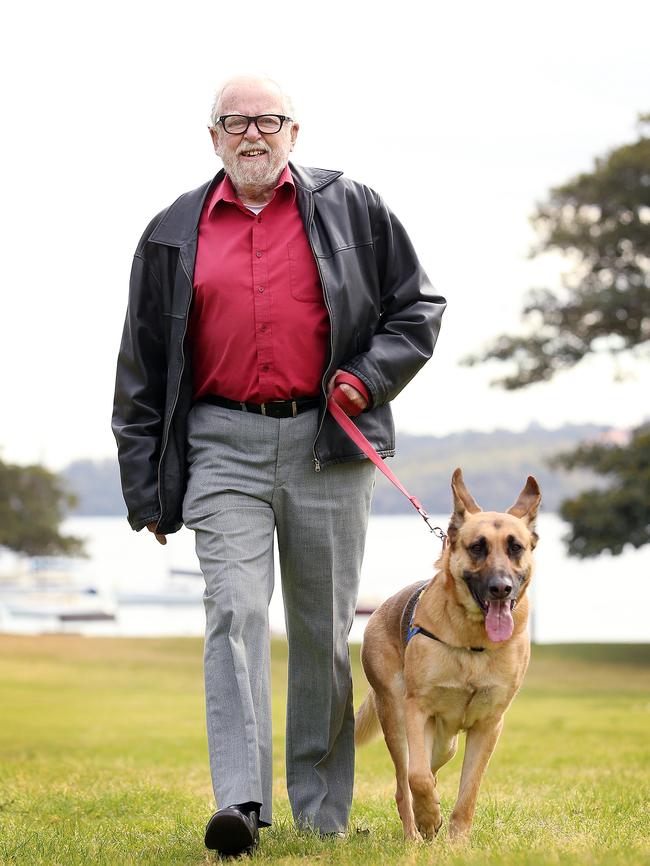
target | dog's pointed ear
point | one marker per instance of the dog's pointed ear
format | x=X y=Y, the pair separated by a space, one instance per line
x=463 y=499
x=464 y=503
x=527 y=502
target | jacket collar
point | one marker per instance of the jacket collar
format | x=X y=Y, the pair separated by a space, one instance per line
x=181 y=219
x=313 y=179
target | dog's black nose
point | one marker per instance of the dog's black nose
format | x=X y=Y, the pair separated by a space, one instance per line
x=499 y=587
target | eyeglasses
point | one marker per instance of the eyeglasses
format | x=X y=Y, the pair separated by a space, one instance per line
x=236 y=124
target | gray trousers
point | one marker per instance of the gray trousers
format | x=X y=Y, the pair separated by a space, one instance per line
x=251 y=475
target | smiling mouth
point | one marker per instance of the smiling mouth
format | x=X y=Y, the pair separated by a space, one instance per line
x=499 y=624
x=485 y=605
x=251 y=154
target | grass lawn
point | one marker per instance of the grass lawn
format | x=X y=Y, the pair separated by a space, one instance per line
x=103 y=760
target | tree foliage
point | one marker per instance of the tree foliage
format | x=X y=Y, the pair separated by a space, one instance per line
x=608 y=519
x=601 y=221
x=32 y=505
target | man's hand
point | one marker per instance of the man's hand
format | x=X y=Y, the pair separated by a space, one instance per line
x=355 y=397
x=152 y=528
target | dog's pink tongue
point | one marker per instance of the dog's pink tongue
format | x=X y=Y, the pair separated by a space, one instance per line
x=498 y=621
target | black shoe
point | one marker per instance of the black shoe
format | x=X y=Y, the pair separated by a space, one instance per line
x=232 y=831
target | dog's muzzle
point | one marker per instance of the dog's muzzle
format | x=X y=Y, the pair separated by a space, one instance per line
x=496 y=595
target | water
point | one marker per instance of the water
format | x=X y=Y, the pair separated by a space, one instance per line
x=599 y=600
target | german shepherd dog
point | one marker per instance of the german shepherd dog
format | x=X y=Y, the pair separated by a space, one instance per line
x=450 y=655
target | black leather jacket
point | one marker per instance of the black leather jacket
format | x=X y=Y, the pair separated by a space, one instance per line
x=384 y=320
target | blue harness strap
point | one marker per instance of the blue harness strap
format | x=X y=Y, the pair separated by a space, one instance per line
x=406 y=624
x=412 y=630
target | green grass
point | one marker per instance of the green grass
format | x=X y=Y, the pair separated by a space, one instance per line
x=103 y=760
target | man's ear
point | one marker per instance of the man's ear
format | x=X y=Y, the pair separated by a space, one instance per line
x=294 y=133
x=464 y=503
x=214 y=135
x=527 y=502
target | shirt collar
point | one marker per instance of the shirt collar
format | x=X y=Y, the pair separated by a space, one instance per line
x=225 y=191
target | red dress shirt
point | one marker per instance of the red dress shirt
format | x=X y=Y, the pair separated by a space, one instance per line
x=258 y=327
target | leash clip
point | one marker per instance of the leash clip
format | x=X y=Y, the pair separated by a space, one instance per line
x=437 y=530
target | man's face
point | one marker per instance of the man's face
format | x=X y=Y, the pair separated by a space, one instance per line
x=253 y=160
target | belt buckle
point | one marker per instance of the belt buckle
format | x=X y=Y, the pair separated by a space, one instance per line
x=270 y=406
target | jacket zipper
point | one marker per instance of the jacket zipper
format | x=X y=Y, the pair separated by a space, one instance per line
x=180 y=377
x=329 y=313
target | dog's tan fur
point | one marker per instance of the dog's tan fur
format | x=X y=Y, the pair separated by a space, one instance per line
x=423 y=694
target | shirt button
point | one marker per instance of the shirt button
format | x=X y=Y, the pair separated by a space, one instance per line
x=258 y=253
x=263 y=327
x=260 y=289
x=265 y=368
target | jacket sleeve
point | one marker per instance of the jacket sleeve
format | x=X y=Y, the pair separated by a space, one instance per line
x=410 y=311
x=140 y=383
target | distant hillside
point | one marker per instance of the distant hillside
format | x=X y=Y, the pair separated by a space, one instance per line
x=97 y=484
x=495 y=466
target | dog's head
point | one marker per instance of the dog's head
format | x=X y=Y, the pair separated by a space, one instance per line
x=490 y=556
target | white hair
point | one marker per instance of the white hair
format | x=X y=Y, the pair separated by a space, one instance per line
x=287 y=104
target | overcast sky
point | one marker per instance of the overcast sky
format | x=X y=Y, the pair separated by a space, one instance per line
x=460 y=115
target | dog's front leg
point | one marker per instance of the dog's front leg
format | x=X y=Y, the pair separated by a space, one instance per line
x=426 y=801
x=481 y=740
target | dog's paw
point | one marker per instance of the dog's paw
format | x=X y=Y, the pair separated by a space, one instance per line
x=458 y=833
x=428 y=831
x=427 y=826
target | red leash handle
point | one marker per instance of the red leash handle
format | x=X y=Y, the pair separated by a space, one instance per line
x=340 y=397
x=349 y=427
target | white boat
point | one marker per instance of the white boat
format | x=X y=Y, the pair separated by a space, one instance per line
x=20 y=573
x=65 y=607
x=180 y=587
x=166 y=594
x=186 y=572
x=49 y=587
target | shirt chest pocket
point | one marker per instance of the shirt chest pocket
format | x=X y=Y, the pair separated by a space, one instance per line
x=304 y=281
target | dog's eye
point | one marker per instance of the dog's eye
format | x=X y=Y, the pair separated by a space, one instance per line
x=515 y=547
x=477 y=548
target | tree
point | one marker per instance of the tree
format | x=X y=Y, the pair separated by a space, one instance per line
x=608 y=519
x=600 y=220
x=32 y=505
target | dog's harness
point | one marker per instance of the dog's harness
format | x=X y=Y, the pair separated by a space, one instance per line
x=409 y=630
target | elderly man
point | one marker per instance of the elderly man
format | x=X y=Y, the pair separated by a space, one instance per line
x=252 y=299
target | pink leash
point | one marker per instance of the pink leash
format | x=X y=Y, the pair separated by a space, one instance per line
x=359 y=439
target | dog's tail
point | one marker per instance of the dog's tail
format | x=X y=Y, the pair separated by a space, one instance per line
x=366 y=722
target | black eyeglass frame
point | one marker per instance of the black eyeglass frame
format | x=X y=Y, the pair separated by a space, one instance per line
x=281 y=117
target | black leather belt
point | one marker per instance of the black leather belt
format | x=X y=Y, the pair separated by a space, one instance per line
x=273 y=409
